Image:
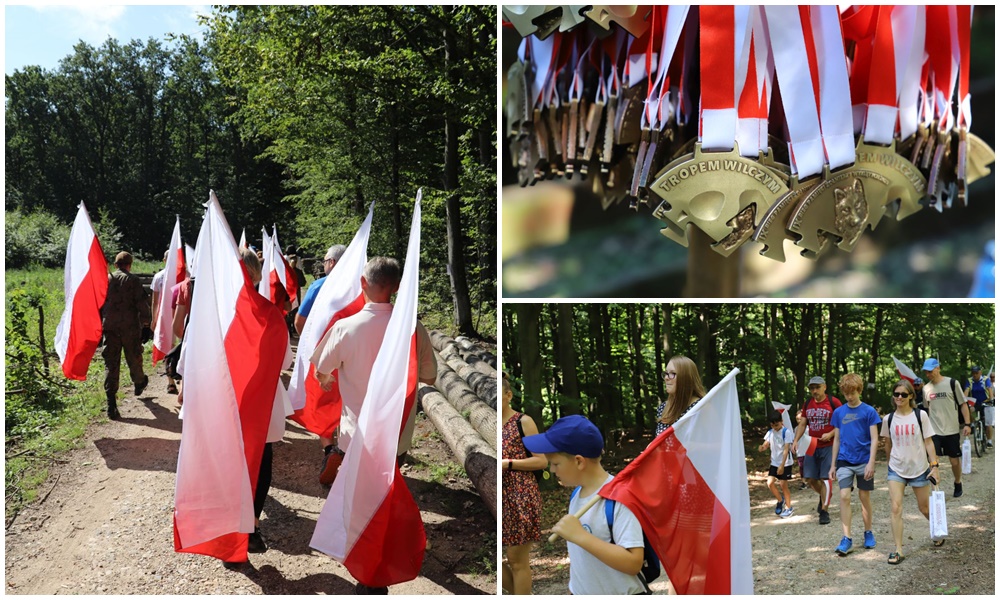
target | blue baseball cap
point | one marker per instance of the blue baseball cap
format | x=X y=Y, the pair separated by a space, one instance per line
x=930 y=364
x=918 y=381
x=573 y=434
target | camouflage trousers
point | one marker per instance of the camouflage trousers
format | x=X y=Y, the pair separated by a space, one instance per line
x=114 y=343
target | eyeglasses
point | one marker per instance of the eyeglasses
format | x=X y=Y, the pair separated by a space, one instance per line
x=900 y=394
x=670 y=374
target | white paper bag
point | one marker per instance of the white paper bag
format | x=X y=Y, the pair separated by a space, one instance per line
x=966 y=457
x=939 y=519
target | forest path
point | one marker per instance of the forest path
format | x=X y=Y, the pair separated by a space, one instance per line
x=796 y=555
x=106 y=526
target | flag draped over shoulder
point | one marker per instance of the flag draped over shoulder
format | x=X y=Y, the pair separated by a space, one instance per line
x=340 y=297
x=86 y=287
x=234 y=346
x=688 y=490
x=904 y=371
x=176 y=271
x=370 y=522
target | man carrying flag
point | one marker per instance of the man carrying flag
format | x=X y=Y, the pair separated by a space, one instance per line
x=232 y=359
x=86 y=287
x=370 y=522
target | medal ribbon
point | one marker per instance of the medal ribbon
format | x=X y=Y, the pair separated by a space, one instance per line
x=883 y=101
x=941 y=31
x=717 y=123
x=964 y=26
x=836 y=121
x=909 y=87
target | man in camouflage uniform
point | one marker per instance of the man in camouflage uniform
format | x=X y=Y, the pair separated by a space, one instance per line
x=126 y=317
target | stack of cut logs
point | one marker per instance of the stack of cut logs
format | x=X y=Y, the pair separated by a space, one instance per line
x=462 y=405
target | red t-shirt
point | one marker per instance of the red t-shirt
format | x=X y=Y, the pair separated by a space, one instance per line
x=818 y=415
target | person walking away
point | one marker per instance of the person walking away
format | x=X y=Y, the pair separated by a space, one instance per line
x=855 y=432
x=909 y=439
x=818 y=410
x=779 y=439
x=602 y=560
x=522 y=500
x=950 y=416
x=125 y=318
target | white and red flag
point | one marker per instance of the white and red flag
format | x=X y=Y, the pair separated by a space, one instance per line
x=340 y=297
x=904 y=371
x=176 y=272
x=785 y=410
x=688 y=489
x=86 y=287
x=234 y=346
x=189 y=258
x=370 y=522
x=243 y=238
x=278 y=283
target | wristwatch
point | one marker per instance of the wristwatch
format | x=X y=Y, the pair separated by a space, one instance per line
x=933 y=464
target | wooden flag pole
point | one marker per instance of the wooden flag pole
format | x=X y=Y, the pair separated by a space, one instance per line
x=583 y=510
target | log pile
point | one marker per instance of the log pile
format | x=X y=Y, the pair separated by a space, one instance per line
x=462 y=406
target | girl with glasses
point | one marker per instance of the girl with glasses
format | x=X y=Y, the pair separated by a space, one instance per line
x=912 y=459
x=683 y=386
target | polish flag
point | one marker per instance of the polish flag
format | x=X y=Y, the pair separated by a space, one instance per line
x=278 y=283
x=85 y=287
x=234 y=347
x=688 y=490
x=243 y=239
x=370 y=522
x=904 y=371
x=340 y=297
x=784 y=409
x=176 y=271
x=189 y=258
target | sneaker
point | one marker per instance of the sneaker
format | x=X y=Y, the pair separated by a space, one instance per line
x=779 y=506
x=113 y=414
x=824 y=518
x=256 y=544
x=140 y=387
x=331 y=464
x=989 y=443
x=845 y=546
x=869 y=539
x=958 y=490
x=786 y=513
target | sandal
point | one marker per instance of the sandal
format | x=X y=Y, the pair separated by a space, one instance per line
x=895 y=558
x=939 y=542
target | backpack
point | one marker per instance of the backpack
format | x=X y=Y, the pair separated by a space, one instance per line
x=650 y=562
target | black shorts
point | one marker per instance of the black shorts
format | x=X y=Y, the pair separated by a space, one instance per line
x=786 y=474
x=948 y=445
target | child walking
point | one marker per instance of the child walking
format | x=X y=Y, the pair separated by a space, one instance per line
x=779 y=440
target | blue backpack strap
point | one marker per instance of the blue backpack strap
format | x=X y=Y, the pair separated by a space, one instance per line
x=609 y=514
x=576 y=491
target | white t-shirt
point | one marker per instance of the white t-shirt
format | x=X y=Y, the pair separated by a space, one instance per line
x=587 y=574
x=350 y=347
x=158 y=279
x=908 y=458
x=940 y=402
x=778 y=445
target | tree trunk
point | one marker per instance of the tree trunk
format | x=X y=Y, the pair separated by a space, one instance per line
x=567 y=361
x=657 y=337
x=453 y=217
x=876 y=339
x=475 y=455
x=531 y=361
x=458 y=393
x=483 y=385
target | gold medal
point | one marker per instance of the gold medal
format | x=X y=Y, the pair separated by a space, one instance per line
x=980 y=157
x=772 y=231
x=907 y=184
x=842 y=204
x=710 y=190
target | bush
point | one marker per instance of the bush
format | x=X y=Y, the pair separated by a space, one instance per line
x=40 y=238
x=36 y=398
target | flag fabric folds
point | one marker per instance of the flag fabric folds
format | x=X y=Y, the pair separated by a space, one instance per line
x=904 y=371
x=176 y=271
x=86 y=287
x=688 y=490
x=278 y=283
x=340 y=297
x=785 y=410
x=370 y=522
x=189 y=258
x=234 y=347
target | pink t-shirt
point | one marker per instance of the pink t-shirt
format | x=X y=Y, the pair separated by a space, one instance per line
x=350 y=348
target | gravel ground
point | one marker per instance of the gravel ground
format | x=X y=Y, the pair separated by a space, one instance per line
x=106 y=527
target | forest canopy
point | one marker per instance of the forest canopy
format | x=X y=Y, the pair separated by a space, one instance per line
x=605 y=361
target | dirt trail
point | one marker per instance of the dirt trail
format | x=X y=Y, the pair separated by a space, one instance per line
x=106 y=527
x=795 y=555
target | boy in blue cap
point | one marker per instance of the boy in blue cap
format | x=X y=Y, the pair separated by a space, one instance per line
x=601 y=561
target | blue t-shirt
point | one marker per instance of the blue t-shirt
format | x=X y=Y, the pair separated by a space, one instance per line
x=978 y=390
x=855 y=433
x=310 y=297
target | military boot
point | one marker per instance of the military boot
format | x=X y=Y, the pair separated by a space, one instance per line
x=113 y=413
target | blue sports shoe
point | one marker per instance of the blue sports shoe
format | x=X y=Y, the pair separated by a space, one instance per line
x=845 y=546
x=869 y=539
x=779 y=507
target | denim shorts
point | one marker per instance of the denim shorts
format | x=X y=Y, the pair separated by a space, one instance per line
x=847 y=473
x=919 y=481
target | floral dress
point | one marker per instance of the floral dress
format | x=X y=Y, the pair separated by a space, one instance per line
x=522 y=502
